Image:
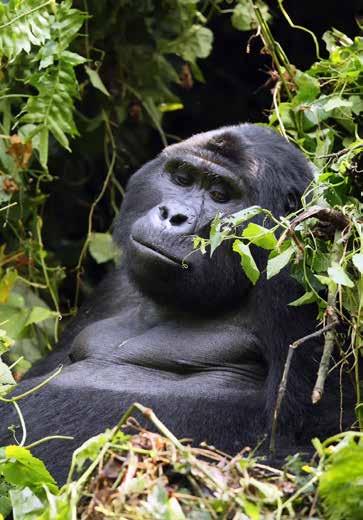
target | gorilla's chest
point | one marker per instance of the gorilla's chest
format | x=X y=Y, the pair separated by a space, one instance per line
x=179 y=346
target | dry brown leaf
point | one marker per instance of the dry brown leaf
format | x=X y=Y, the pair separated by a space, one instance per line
x=19 y=151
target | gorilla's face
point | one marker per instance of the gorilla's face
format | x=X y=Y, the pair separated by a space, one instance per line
x=176 y=196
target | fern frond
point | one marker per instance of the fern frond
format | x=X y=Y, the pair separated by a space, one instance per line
x=23 y=24
x=52 y=108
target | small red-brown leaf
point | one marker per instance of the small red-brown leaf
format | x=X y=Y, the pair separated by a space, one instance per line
x=19 y=151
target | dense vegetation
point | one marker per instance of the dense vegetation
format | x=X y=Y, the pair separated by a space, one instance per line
x=90 y=71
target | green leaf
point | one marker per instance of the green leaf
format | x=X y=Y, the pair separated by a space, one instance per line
x=216 y=236
x=340 y=485
x=67 y=24
x=259 y=236
x=270 y=493
x=339 y=276
x=102 y=248
x=5 y=342
x=275 y=264
x=13 y=320
x=251 y=509
x=195 y=42
x=22 y=469
x=6 y=284
x=96 y=81
x=244 y=214
x=308 y=297
x=38 y=314
x=308 y=88
x=325 y=280
x=357 y=104
x=170 y=107
x=336 y=102
x=43 y=146
x=357 y=260
x=90 y=449
x=26 y=505
x=72 y=58
x=52 y=109
x=23 y=24
x=7 y=382
x=5 y=504
x=248 y=264
x=244 y=17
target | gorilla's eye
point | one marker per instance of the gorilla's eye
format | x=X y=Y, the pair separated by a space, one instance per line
x=182 y=177
x=220 y=194
x=180 y=173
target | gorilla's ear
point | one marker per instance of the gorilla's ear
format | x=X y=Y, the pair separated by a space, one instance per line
x=292 y=202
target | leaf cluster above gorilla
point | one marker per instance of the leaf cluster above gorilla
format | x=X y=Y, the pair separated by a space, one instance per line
x=186 y=334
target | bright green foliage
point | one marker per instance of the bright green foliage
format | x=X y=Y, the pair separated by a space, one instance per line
x=90 y=449
x=20 y=468
x=7 y=381
x=194 y=43
x=259 y=236
x=320 y=111
x=341 y=484
x=38 y=90
x=24 y=483
x=23 y=23
x=244 y=16
x=102 y=248
x=51 y=110
x=278 y=262
x=248 y=264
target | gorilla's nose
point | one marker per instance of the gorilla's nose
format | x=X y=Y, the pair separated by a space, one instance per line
x=176 y=215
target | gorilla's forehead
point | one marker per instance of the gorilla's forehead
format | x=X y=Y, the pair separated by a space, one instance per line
x=226 y=143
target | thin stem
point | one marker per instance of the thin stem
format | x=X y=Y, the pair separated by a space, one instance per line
x=271 y=45
x=283 y=384
x=22 y=423
x=7 y=96
x=276 y=92
x=93 y=207
x=300 y=27
x=39 y=225
x=150 y=415
x=49 y=438
x=332 y=320
x=34 y=389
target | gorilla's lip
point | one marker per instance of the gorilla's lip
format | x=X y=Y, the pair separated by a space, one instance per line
x=160 y=252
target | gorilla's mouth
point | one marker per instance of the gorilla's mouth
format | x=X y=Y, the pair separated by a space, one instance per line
x=160 y=252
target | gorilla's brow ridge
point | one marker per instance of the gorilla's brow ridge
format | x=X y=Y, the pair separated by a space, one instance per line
x=207 y=165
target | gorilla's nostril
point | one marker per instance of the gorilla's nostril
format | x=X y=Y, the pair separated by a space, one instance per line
x=163 y=210
x=178 y=219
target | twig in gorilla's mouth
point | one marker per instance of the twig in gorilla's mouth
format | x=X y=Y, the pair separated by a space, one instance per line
x=161 y=252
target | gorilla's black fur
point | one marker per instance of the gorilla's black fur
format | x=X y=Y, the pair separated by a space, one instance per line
x=200 y=345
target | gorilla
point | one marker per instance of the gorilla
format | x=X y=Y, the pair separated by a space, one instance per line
x=187 y=334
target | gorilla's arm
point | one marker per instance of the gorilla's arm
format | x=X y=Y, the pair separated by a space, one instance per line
x=110 y=297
